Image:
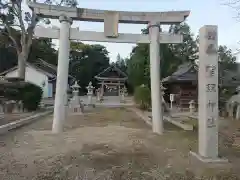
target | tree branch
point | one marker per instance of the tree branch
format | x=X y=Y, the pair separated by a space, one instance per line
x=61 y=2
x=11 y=36
x=18 y=10
x=30 y=29
x=232 y=3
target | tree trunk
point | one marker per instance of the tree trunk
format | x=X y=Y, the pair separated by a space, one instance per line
x=21 y=65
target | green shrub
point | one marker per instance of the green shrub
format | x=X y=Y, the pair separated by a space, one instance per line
x=18 y=90
x=142 y=97
x=12 y=93
x=31 y=96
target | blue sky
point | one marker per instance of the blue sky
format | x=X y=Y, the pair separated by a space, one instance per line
x=204 y=12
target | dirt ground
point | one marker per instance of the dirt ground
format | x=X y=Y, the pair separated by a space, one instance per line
x=107 y=144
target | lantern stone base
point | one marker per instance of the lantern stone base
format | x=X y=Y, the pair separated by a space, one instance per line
x=90 y=101
x=76 y=110
x=208 y=160
x=76 y=106
x=91 y=105
x=122 y=100
x=101 y=99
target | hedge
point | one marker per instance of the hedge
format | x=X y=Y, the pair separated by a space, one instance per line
x=142 y=97
x=31 y=96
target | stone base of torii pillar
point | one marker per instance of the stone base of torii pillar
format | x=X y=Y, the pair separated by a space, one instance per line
x=208 y=160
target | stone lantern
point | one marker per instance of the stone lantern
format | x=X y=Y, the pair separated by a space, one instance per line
x=238 y=104
x=238 y=90
x=75 y=89
x=162 y=89
x=233 y=104
x=192 y=106
x=90 y=89
x=75 y=104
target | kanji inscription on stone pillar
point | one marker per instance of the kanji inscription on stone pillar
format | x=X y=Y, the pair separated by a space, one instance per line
x=208 y=92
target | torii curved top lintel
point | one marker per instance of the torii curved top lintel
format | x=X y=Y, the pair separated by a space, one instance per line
x=94 y=15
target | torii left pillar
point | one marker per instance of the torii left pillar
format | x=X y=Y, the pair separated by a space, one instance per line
x=157 y=113
x=62 y=75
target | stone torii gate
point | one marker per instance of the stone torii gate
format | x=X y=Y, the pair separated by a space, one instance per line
x=110 y=34
x=208 y=64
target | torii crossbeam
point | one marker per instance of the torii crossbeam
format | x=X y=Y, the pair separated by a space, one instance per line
x=75 y=34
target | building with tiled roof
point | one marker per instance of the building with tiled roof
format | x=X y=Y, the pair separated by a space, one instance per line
x=40 y=73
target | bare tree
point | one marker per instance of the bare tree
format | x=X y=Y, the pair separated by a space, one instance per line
x=18 y=24
x=235 y=5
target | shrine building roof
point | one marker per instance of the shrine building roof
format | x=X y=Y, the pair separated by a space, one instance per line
x=185 y=72
x=112 y=73
x=188 y=72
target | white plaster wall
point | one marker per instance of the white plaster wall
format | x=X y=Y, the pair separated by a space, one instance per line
x=35 y=77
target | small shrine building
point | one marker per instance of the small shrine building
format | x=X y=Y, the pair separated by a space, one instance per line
x=183 y=83
x=111 y=81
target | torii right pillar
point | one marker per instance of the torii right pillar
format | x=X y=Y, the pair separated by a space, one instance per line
x=208 y=96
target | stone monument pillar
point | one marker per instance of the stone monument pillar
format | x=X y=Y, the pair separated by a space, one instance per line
x=90 y=89
x=157 y=116
x=208 y=95
x=62 y=75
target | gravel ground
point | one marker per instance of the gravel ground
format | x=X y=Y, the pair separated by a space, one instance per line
x=107 y=144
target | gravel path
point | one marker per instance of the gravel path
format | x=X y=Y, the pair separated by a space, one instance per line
x=106 y=144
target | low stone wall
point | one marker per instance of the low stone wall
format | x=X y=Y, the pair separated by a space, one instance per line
x=179 y=123
x=7 y=127
x=140 y=114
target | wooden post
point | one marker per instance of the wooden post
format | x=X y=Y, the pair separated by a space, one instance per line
x=119 y=88
x=102 y=89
